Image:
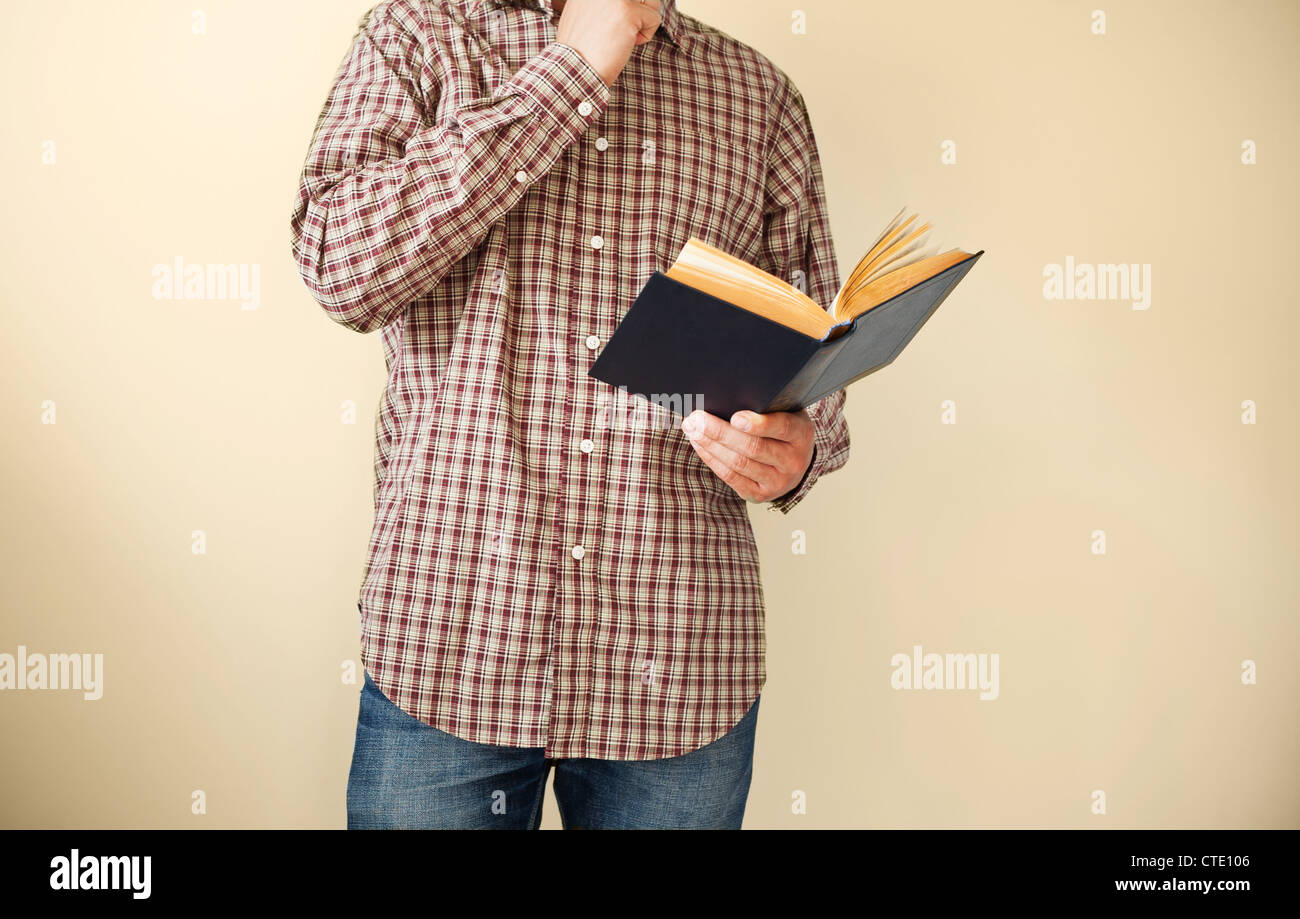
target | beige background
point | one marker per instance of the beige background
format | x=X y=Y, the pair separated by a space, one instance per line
x=1118 y=672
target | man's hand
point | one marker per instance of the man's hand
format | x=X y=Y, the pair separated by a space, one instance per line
x=604 y=32
x=760 y=456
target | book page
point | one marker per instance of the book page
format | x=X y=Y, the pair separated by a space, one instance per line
x=903 y=256
x=726 y=277
x=898 y=280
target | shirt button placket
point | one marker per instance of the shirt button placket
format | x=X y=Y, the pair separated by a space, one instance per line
x=581 y=494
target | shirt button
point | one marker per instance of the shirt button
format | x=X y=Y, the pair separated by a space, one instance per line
x=592 y=342
x=602 y=144
x=584 y=108
x=521 y=176
x=587 y=446
x=597 y=242
x=578 y=552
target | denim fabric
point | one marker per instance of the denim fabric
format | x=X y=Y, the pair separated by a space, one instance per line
x=406 y=774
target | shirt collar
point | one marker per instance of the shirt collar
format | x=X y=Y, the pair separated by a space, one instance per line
x=671 y=20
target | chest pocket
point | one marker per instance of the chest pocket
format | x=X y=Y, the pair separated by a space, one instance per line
x=696 y=184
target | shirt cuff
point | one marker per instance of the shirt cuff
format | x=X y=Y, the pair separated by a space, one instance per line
x=561 y=84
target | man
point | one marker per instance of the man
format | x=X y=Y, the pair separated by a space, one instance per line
x=552 y=580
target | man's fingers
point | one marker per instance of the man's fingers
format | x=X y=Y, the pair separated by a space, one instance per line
x=605 y=32
x=776 y=425
x=648 y=20
x=761 y=474
x=759 y=463
x=746 y=488
x=702 y=425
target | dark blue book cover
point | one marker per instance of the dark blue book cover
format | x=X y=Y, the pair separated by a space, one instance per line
x=676 y=340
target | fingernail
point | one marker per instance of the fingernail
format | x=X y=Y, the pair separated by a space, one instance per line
x=741 y=421
x=690 y=427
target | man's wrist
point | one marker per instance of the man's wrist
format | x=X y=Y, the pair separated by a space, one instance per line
x=802 y=479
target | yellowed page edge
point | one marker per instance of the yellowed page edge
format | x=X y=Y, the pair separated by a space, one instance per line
x=899 y=280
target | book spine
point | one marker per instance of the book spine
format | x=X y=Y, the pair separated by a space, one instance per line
x=791 y=396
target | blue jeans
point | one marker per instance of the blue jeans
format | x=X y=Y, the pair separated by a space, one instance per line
x=406 y=774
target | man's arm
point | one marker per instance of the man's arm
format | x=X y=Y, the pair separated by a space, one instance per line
x=388 y=203
x=778 y=457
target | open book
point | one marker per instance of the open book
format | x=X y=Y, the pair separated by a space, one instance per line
x=900 y=258
x=717 y=330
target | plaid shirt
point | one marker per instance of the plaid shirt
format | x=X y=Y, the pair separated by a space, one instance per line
x=551 y=565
